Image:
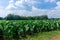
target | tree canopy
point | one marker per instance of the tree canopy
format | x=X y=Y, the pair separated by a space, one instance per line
x=17 y=17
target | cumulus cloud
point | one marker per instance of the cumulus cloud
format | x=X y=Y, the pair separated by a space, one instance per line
x=52 y=0
x=58 y=5
x=55 y=13
x=11 y=5
x=19 y=3
x=35 y=12
x=49 y=0
x=23 y=4
x=29 y=5
x=23 y=13
x=1 y=8
x=5 y=12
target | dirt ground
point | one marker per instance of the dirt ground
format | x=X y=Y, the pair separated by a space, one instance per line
x=57 y=37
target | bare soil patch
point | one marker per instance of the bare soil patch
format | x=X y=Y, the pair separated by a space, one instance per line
x=57 y=37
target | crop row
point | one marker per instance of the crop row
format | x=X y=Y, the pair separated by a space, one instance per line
x=21 y=28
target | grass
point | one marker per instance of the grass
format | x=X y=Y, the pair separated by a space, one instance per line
x=43 y=36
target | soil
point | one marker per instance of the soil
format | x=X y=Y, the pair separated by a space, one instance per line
x=57 y=37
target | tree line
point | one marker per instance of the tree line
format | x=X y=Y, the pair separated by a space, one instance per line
x=17 y=17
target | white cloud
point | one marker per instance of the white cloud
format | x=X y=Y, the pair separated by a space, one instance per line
x=31 y=1
x=49 y=0
x=52 y=0
x=11 y=1
x=23 y=13
x=23 y=3
x=35 y=11
x=27 y=0
x=5 y=12
x=58 y=5
x=11 y=5
x=1 y=7
x=1 y=11
x=19 y=3
x=54 y=14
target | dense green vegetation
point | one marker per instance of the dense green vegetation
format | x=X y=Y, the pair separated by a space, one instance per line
x=17 y=17
x=17 y=29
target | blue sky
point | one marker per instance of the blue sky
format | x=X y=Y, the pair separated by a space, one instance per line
x=30 y=7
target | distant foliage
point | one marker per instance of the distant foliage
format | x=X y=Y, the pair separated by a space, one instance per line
x=17 y=17
x=1 y=18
